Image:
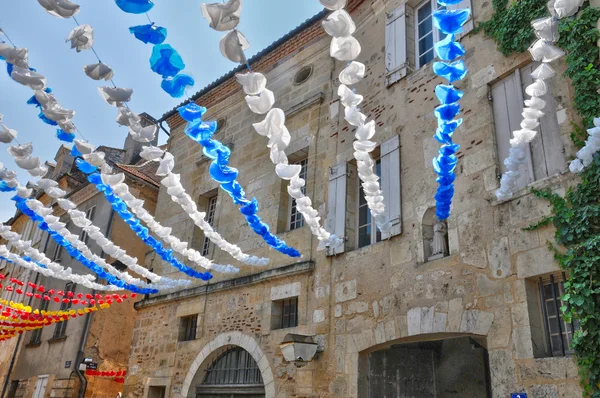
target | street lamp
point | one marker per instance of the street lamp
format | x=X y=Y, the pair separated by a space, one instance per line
x=298 y=349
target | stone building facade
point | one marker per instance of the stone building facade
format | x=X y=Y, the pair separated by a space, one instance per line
x=46 y=363
x=388 y=316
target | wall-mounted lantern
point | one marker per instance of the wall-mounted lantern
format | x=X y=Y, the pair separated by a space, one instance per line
x=298 y=349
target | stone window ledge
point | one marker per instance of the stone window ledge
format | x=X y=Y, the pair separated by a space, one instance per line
x=33 y=345
x=539 y=185
x=443 y=262
x=57 y=339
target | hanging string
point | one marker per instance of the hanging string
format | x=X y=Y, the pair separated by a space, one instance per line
x=8 y=38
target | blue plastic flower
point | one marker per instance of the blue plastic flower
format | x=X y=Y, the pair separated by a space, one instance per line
x=84 y=166
x=33 y=100
x=222 y=174
x=191 y=112
x=448 y=2
x=44 y=119
x=166 y=61
x=64 y=136
x=450 y=71
x=448 y=49
x=75 y=153
x=135 y=6
x=149 y=33
x=447 y=112
x=451 y=21
x=175 y=86
x=447 y=94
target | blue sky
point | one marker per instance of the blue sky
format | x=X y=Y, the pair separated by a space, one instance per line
x=29 y=26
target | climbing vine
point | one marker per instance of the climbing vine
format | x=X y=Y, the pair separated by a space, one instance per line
x=577 y=221
x=576 y=217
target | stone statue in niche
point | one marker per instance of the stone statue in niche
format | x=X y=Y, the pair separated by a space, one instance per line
x=439 y=244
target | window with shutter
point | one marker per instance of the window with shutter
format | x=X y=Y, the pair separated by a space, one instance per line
x=545 y=155
x=390 y=184
x=426 y=35
x=396 y=64
x=336 y=205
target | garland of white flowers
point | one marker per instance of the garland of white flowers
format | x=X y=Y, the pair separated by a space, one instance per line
x=585 y=155
x=345 y=48
x=260 y=100
x=546 y=30
x=172 y=182
x=52 y=270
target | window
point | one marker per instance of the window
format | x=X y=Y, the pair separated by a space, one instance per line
x=559 y=334
x=366 y=223
x=296 y=219
x=157 y=391
x=348 y=215
x=36 y=335
x=284 y=313
x=232 y=374
x=545 y=154
x=89 y=214
x=187 y=327
x=61 y=327
x=551 y=336
x=426 y=34
x=211 y=209
x=40 y=386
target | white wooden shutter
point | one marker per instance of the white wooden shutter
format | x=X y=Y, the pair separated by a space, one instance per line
x=390 y=184
x=40 y=387
x=336 y=206
x=395 y=45
x=467 y=27
x=547 y=149
x=507 y=102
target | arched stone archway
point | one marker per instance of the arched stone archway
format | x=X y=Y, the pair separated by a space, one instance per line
x=232 y=339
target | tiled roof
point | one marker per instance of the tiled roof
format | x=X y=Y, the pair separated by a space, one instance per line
x=145 y=171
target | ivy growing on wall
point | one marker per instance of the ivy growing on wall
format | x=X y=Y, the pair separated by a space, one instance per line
x=577 y=221
x=576 y=217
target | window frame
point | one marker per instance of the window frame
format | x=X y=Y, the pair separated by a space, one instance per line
x=566 y=330
x=435 y=32
x=299 y=221
x=292 y=313
x=188 y=327
x=375 y=237
x=61 y=327
x=211 y=213
x=36 y=335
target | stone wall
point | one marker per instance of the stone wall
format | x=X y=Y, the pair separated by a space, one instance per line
x=382 y=294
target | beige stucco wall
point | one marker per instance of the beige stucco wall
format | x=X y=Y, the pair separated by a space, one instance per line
x=367 y=298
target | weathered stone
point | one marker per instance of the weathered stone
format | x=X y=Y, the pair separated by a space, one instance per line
x=427 y=319
x=522 y=342
x=414 y=321
x=345 y=291
x=469 y=321
x=455 y=314
x=543 y=391
x=318 y=316
x=536 y=262
x=504 y=378
x=499 y=258
x=488 y=287
x=439 y=322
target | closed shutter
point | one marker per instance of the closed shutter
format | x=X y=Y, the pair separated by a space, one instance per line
x=467 y=27
x=390 y=184
x=395 y=45
x=547 y=147
x=40 y=387
x=507 y=101
x=336 y=206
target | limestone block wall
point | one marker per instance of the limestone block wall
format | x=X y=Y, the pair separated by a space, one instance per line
x=382 y=294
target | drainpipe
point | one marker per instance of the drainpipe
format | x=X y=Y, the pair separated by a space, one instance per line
x=20 y=338
x=88 y=322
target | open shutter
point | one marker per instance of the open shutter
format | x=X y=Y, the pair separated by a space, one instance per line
x=336 y=206
x=547 y=149
x=390 y=184
x=507 y=97
x=467 y=27
x=395 y=45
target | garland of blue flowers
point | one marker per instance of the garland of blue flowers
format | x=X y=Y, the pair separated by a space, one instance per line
x=60 y=133
x=76 y=254
x=219 y=170
x=165 y=60
x=120 y=207
x=448 y=22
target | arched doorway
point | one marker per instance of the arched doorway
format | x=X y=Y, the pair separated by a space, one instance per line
x=233 y=373
x=453 y=367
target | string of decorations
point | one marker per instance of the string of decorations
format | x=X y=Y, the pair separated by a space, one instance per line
x=585 y=155
x=165 y=60
x=346 y=48
x=38 y=262
x=542 y=50
x=202 y=132
x=73 y=246
x=260 y=100
x=39 y=292
x=449 y=23
x=116 y=183
x=117 y=376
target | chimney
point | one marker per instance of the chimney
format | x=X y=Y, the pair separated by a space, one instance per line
x=132 y=147
x=64 y=162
